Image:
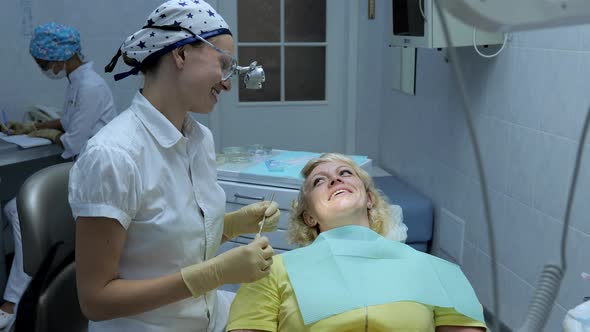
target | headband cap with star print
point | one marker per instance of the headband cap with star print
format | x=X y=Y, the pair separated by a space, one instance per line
x=171 y=25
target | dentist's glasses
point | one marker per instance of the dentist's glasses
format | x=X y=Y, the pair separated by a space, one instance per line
x=229 y=63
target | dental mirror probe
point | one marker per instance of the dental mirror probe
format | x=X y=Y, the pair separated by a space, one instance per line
x=272 y=197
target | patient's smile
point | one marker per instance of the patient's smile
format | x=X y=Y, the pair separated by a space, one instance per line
x=339 y=192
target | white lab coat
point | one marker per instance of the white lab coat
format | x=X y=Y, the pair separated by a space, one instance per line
x=88 y=107
x=141 y=171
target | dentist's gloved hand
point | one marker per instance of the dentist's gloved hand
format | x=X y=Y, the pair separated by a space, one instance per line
x=6 y=130
x=239 y=265
x=247 y=219
x=50 y=134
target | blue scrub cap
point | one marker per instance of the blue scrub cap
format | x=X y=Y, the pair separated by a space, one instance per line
x=54 y=42
x=173 y=24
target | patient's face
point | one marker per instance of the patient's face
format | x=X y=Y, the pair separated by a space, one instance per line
x=336 y=195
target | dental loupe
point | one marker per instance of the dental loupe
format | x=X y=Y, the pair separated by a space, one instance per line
x=254 y=75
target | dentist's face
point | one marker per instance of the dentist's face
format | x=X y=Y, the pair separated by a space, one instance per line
x=336 y=195
x=50 y=67
x=202 y=79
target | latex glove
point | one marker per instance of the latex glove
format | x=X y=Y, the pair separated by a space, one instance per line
x=239 y=265
x=247 y=219
x=17 y=128
x=6 y=130
x=51 y=134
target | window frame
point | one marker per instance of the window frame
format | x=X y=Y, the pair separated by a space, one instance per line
x=282 y=44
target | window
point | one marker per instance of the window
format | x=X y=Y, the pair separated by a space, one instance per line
x=288 y=38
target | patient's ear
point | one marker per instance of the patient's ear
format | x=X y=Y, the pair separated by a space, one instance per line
x=369 y=200
x=309 y=220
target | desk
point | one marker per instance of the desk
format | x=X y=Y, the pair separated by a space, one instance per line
x=17 y=164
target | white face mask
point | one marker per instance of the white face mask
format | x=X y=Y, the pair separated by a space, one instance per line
x=60 y=74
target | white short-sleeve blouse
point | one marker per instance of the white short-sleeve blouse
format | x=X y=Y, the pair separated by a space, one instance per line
x=162 y=187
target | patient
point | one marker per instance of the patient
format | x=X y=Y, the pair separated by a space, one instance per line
x=348 y=277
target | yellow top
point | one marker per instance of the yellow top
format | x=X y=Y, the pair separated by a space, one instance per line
x=270 y=304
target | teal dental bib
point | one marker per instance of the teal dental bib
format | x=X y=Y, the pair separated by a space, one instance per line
x=352 y=267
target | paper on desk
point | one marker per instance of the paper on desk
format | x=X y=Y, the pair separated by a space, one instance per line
x=25 y=141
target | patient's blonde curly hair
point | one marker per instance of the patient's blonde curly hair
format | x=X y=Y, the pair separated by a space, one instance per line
x=379 y=215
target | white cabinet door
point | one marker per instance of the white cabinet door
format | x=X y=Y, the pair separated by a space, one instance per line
x=240 y=194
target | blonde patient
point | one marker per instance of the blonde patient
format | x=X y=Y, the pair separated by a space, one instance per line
x=336 y=193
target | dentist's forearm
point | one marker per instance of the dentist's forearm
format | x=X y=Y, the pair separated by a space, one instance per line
x=121 y=298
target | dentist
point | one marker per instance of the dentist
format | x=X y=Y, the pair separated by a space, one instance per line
x=149 y=212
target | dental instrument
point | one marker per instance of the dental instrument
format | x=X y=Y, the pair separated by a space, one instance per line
x=272 y=197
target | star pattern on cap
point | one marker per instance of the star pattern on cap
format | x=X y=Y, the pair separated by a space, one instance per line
x=189 y=14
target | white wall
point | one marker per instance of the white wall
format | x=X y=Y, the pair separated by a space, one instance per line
x=529 y=104
x=370 y=37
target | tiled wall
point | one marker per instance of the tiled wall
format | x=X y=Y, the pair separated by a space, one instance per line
x=529 y=104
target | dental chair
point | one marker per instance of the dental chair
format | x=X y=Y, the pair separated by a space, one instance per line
x=50 y=303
